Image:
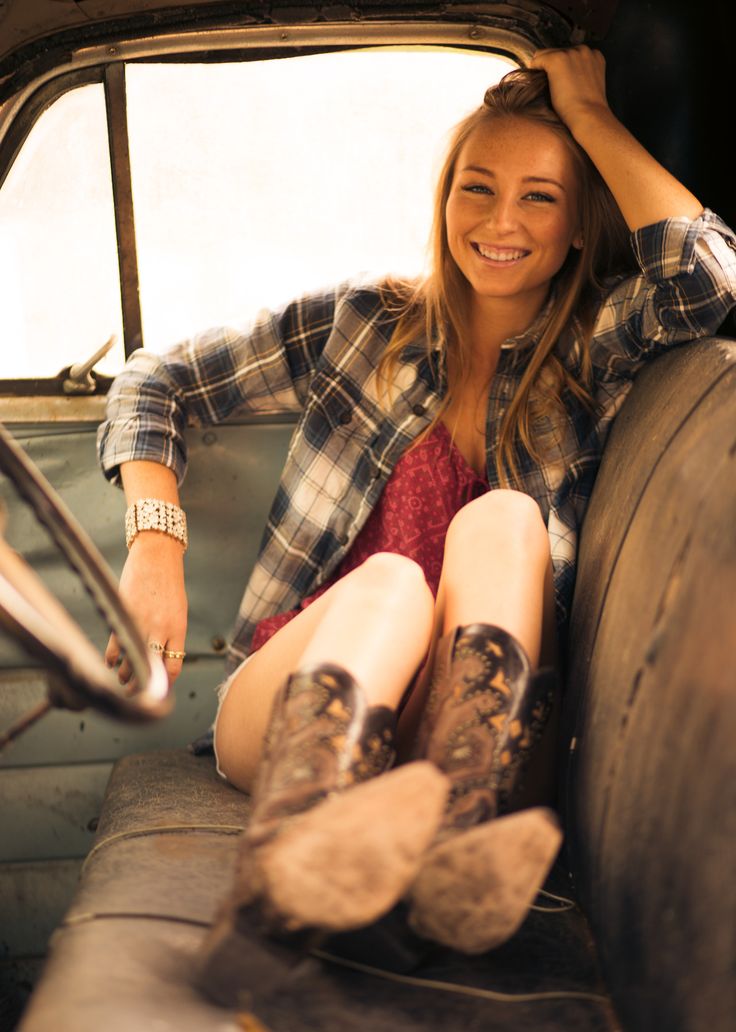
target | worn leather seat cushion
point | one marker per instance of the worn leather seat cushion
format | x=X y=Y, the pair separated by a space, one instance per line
x=125 y=957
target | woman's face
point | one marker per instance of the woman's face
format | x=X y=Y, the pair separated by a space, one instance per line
x=512 y=211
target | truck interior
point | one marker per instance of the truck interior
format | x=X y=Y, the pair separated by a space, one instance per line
x=166 y=166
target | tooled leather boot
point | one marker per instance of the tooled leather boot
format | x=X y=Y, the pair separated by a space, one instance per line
x=322 y=738
x=331 y=845
x=485 y=713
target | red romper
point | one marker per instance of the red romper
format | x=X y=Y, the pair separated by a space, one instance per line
x=429 y=484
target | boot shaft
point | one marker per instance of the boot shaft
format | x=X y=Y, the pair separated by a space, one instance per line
x=485 y=712
x=322 y=738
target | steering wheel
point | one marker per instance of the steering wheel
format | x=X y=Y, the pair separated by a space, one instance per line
x=78 y=675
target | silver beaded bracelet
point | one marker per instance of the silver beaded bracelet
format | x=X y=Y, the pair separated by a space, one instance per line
x=153 y=514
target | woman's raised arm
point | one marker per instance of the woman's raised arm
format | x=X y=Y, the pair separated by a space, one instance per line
x=644 y=190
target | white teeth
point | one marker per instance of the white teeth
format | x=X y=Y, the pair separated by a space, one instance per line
x=500 y=256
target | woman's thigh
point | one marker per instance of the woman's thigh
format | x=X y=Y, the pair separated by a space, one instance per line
x=375 y=623
x=477 y=571
x=245 y=709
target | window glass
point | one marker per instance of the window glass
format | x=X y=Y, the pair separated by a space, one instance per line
x=59 y=286
x=255 y=182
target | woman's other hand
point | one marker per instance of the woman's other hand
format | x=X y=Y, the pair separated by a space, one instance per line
x=152 y=587
x=152 y=581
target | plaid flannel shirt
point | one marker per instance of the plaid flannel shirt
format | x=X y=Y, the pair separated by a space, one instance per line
x=317 y=358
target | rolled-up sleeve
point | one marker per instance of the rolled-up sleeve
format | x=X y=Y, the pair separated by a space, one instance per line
x=685 y=288
x=265 y=368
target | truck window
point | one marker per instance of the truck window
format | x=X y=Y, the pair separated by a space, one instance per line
x=252 y=182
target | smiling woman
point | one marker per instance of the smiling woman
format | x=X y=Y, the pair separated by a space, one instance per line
x=234 y=117
x=346 y=652
x=510 y=230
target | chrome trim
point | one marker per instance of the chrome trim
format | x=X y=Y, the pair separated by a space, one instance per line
x=319 y=34
x=33 y=409
x=353 y=34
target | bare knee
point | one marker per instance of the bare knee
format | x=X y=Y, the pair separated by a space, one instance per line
x=389 y=578
x=506 y=519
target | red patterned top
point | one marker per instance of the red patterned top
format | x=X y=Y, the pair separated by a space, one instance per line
x=429 y=484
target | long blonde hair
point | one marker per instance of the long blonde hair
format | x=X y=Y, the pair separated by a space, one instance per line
x=437 y=306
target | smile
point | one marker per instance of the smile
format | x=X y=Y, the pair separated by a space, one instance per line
x=506 y=255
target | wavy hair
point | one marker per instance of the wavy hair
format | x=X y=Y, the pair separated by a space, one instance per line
x=437 y=306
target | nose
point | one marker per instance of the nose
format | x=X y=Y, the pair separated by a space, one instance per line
x=503 y=214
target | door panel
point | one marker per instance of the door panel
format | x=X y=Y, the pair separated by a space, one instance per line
x=53 y=777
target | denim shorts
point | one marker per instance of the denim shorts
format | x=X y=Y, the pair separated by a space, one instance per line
x=222 y=691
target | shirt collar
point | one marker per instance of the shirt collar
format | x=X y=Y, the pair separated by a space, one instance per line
x=517 y=349
x=530 y=337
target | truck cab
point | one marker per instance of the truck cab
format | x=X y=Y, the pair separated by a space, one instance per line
x=165 y=167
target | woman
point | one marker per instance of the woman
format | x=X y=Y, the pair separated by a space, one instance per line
x=419 y=558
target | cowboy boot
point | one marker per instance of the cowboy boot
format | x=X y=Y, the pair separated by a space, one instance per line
x=485 y=713
x=330 y=845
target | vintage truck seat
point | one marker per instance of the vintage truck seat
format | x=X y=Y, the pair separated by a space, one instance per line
x=648 y=795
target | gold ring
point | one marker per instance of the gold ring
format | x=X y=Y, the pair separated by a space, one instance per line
x=157 y=647
x=173 y=654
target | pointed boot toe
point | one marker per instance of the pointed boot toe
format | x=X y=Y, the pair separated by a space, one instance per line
x=474 y=889
x=345 y=863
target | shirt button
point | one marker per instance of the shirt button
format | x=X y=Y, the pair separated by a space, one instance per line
x=342 y=539
x=345 y=417
x=418 y=409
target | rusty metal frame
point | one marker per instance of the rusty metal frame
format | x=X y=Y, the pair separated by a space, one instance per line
x=495 y=34
x=39 y=100
x=122 y=190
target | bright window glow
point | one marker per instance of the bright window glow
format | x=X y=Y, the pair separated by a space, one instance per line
x=59 y=286
x=254 y=183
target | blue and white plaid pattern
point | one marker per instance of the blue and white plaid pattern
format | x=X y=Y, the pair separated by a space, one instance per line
x=317 y=358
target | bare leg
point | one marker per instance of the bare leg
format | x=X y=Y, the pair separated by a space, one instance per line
x=376 y=623
x=496 y=566
x=335 y=839
x=480 y=876
x=496 y=570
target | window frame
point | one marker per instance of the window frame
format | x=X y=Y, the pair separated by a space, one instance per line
x=106 y=64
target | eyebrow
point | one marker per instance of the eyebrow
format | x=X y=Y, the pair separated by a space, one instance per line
x=526 y=179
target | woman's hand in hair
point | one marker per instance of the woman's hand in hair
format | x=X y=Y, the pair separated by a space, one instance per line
x=644 y=190
x=577 y=82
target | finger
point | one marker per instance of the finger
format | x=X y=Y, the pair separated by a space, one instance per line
x=542 y=53
x=546 y=52
x=112 y=652
x=131 y=687
x=542 y=57
x=173 y=670
x=174 y=660
x=125 y=671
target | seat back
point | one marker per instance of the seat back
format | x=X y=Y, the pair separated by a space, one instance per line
x=650 y=715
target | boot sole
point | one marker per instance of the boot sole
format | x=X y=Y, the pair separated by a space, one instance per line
x=345 y=863
x=474 y=890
